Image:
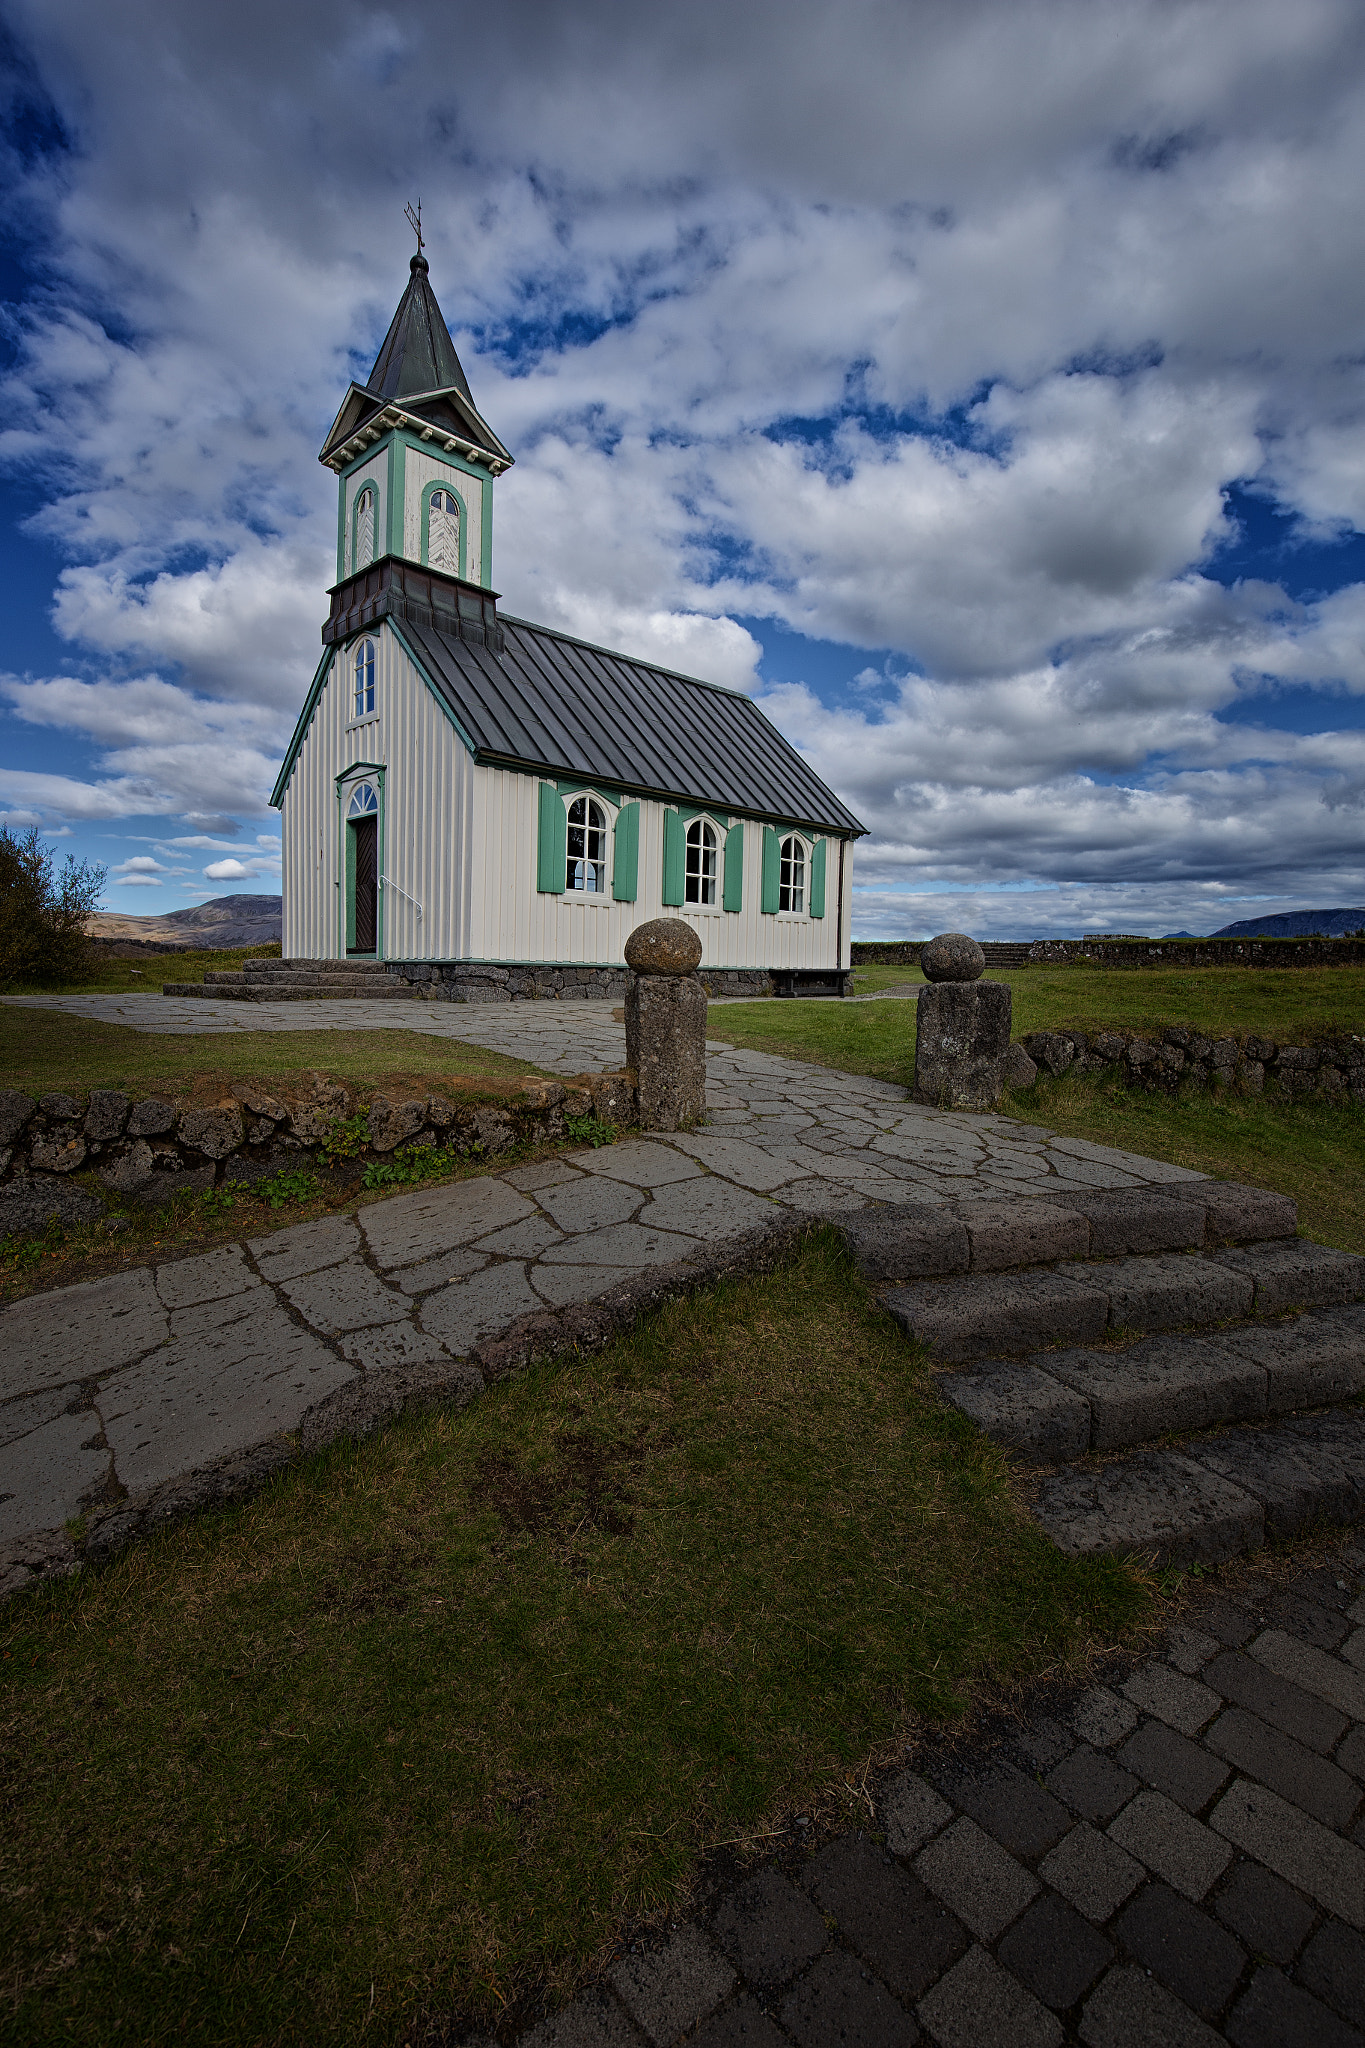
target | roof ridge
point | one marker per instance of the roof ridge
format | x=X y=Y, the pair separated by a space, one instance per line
x=617 y=654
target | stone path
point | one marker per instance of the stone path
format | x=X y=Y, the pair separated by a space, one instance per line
x=113 y=1394
x=1168 y=1860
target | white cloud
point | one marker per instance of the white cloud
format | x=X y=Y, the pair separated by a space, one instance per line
x=227 y=871
x=939 y=330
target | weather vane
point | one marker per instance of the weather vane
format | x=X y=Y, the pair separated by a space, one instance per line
x=415 y=223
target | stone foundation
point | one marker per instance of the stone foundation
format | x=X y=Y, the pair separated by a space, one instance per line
x=474 y=981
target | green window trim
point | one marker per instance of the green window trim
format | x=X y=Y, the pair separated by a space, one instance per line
x=675 y=859
x=733 y=892
x=815 y=898
x=772 y=872
x=552 y=841
x=428 y=490
x=625 y=856
x=397 y=490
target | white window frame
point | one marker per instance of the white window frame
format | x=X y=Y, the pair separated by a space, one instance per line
x=713 y=909
x=358 y=718
x=784 y=888
x=602 y=897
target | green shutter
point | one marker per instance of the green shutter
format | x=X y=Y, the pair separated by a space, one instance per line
x=734 y=868
x=817 y=879
x=772 y=871
x=552 y=841
x=625 y=863
x=350 y=887
x=675 y=857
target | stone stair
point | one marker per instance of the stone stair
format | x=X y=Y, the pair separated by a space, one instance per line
x=299 y=981
x=1005 y=953
x=1166 y=1362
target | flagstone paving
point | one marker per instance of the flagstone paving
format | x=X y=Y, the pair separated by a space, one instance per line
x=117 y=1386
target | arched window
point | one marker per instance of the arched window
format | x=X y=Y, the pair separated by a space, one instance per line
x=792 y=886
x=587 y=867
x=364 y=679
x=700 y=885
x=364 y=803
x=366 y=521
x=443 y=532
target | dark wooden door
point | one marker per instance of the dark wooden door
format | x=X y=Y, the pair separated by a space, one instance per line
x=366 y=882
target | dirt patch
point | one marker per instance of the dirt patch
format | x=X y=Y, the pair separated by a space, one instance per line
x=588 y=1484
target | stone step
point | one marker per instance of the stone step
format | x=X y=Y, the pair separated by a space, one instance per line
x=1060 y=1405
x=1214 y=1497
x=265 y=969
x=1083 y=1301
x=910 y=1241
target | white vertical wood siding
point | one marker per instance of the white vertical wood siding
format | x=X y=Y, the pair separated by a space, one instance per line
x=423 y=469
x=424 y=849
x=376 y=472
x=511 y=920
x=462 y=841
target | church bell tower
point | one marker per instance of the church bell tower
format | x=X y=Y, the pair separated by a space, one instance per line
x=414 y=460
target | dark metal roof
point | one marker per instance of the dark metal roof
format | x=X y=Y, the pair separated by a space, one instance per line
x=418 y=353
x=551 y=702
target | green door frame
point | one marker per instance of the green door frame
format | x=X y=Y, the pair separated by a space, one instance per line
x=359 y=771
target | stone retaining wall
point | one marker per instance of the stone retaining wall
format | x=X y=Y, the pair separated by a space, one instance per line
x=1201 y=952
x=476 y=982
x=1333 y=1070
x=151 y=1150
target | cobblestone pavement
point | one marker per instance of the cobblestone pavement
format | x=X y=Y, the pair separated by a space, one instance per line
x=1168 y=1860
x=117 y=1387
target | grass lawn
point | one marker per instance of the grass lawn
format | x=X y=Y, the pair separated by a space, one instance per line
x=415 y=1730
x=146 y=973
x=47 y=1049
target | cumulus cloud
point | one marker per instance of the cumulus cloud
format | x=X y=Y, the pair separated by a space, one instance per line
x=943 y=331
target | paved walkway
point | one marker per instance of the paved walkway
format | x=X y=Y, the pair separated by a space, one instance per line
x=1167 y=1860
x=118 y=1388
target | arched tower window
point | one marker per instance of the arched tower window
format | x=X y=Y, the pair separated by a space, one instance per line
x=587 y=847
x=700 y=886
x=364 y=803
x=366 y=524
x=792 y=884
x=443 y=531
x=364 y=679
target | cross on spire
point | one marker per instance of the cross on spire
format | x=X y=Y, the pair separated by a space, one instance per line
x=415 y=223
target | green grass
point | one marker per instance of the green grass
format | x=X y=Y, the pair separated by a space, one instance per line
x=1310 y=1150
x=415 y=1730
x=146 y=973
x=1288 y=1004
x=47 y=1049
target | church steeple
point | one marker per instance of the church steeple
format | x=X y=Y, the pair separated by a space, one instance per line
x=415 y=458
x=418 y=353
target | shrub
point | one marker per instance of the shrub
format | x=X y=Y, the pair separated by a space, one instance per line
x=42 y=916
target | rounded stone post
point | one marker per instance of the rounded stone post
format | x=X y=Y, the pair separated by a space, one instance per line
x=666 y=1024
x=963 y=1027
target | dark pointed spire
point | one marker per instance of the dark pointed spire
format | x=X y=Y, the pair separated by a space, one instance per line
x=418 y=353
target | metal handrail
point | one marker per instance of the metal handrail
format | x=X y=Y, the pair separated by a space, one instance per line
x=387 y=881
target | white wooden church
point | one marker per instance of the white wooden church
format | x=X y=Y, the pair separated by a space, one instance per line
x=466 y=790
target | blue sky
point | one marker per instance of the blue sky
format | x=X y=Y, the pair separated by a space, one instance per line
x=981 y=387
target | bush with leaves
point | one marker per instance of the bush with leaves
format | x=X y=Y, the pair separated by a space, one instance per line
x=42 y=915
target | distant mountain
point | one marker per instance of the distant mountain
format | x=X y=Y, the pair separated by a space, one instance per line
x=1182 y=935
x=224 y=922
x=1296 y=924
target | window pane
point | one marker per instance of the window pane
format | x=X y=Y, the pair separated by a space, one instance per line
x=587 y=847
x=443 y=533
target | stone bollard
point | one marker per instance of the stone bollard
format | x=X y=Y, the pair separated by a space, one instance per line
x=963 y=1028
x=666 y=1024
